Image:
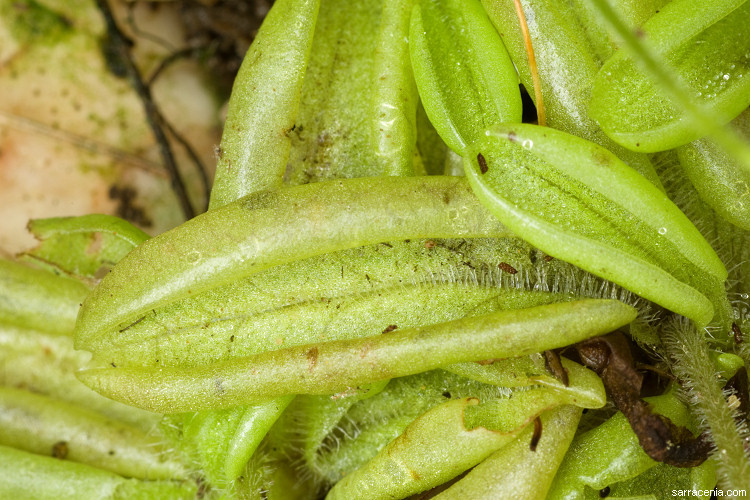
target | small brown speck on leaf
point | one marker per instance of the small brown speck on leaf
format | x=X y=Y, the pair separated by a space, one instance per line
x=482 y=163
x=390 y=328
x=486 y=362
x=504 y=266
x=429 y=244
x=60 y=449
x=312 y=358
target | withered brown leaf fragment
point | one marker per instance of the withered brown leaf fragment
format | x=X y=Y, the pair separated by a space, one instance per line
x=610 y=357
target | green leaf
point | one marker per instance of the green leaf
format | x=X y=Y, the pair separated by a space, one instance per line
x=85 y=245
x=383 y=288
x=465 y=77
x=46 y=426
x=357 y=114
x=46 y=363
x=275 y=227
x=578 y=202
x=442 y=443
x=26 y=475
x=603 y=41
x=516 y=471
x=255 y=147
x=722 y=181
x=731 y=243
x=585 y=387
x=340 y=436
x=39 y=300
x=335 y=366
x=222 y=441
x=705 y=45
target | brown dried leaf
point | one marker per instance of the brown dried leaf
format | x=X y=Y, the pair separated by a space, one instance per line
x=610 y=357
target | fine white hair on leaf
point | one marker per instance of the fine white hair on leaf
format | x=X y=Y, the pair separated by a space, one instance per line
x=690 y=362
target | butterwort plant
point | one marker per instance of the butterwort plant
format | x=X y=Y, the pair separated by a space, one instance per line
x=399 y=288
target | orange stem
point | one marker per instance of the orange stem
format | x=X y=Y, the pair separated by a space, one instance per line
x=532 y=64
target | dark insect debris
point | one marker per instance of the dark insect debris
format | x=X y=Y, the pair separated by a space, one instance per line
x=537 y=435
x=482 y=163
x=504 y=266
x=737 y=333
x=60 y=450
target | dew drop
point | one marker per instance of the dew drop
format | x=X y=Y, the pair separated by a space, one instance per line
x=193 y=256
x=528 y=144
x=726 y=77
x=662 y=231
